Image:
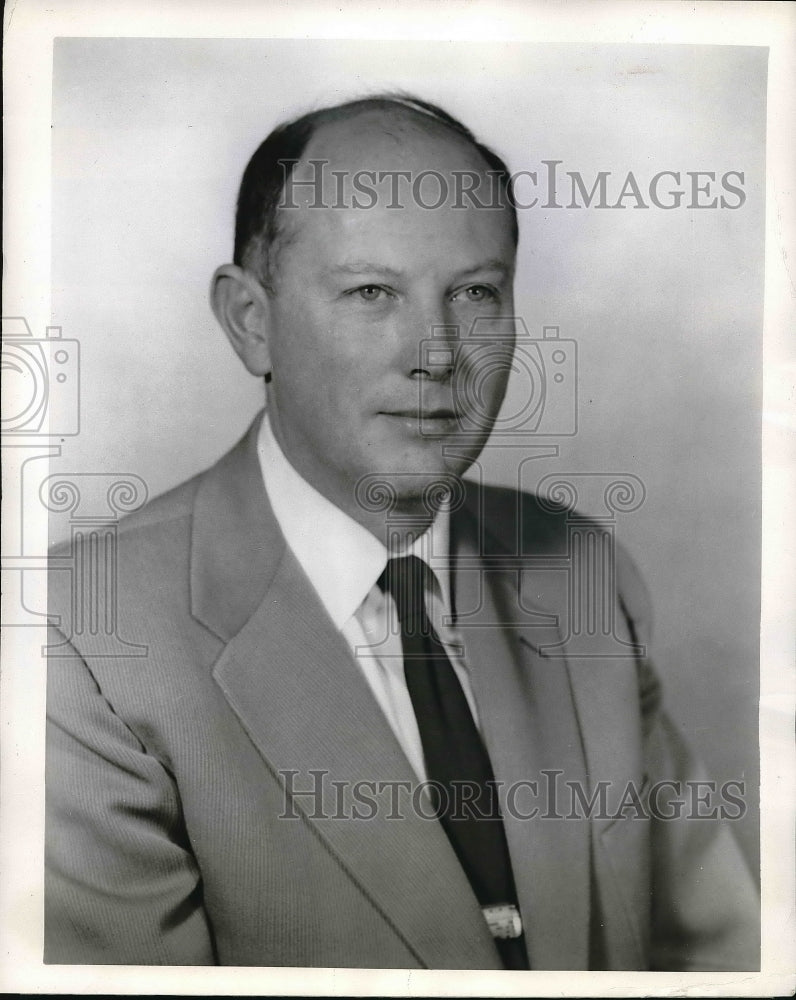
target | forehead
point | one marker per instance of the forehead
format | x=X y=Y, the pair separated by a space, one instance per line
x=381 y=180
x=395 y=139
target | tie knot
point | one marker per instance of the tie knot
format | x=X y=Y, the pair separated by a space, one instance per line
x=405 y=578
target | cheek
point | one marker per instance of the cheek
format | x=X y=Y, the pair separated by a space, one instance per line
x=323 y=378
x=312 y=336
x=301 y=350
x=481 y=378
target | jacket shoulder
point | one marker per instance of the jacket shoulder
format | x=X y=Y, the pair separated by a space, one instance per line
x=153 y=517
x=147 y=551
x=528 y=525
x=518 y=522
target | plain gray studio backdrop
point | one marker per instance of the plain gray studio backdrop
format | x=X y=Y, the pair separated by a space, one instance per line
x=149 y=141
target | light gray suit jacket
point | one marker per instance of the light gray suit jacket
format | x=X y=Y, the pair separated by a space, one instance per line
x=169 y=829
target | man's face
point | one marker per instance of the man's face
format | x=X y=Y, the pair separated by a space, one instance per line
x=357 y=389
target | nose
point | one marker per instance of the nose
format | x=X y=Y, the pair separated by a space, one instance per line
x=435 y=351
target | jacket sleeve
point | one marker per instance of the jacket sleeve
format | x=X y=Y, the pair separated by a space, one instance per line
x=705 y=904
x=121 y=885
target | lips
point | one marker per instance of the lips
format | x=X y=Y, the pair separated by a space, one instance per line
x=416 y=414
x=429 y=423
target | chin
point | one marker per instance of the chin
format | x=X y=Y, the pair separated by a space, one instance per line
x=426 y=462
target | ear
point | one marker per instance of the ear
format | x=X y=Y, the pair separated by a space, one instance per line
x=242 y=308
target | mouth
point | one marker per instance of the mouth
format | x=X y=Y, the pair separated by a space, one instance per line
x=430 y=420
x=417 y=414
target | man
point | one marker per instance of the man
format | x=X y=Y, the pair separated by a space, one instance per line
x=343 y=745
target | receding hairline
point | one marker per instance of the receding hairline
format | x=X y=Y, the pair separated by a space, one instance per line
x=382 y=115
x=259 y=247
x=288 y=227
x=388 y=106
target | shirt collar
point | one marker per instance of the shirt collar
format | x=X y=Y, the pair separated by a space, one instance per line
x=341 y=558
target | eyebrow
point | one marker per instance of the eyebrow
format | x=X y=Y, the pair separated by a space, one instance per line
x=365 y=267
x=493 y=264
x=359 y=267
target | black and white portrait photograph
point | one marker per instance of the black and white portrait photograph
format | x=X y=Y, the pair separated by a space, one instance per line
x=392 y=436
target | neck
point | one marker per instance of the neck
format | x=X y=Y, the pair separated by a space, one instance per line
x=395 y=520
x=397 y=526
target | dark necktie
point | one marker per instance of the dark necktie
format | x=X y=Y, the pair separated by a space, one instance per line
x=455 y=757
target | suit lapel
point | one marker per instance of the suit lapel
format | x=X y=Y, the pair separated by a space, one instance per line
x=605 y=695
x=290 y=677
x=529 y=725
x=236 y=544
x=573 y=714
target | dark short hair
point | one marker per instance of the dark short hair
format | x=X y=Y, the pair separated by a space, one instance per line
x=256 y=218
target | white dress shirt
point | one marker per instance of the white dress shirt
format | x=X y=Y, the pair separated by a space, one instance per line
x=343 y=561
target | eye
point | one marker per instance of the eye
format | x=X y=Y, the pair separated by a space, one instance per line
x=370 y=293
x=478 y=293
